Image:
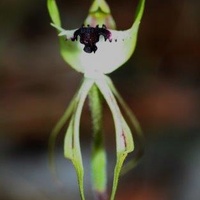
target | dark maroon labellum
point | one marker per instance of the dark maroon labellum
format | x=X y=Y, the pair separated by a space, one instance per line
x=89 y=36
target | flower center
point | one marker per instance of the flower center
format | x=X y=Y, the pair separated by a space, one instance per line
x=89 y=36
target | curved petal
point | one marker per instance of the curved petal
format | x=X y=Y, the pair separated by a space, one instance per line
x=69 y=50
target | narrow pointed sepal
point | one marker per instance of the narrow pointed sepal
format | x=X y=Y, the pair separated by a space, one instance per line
x=72 y=149
x=124 y=140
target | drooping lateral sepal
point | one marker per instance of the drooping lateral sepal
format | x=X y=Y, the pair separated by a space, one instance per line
x=124 y=140
x=72 y=148
x=138 y=133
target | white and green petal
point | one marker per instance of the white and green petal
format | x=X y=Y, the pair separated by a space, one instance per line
x=110 y=55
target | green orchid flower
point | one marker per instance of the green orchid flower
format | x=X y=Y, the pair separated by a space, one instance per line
x=96 y=49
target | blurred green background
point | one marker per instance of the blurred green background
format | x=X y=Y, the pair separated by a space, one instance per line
x=161 y=83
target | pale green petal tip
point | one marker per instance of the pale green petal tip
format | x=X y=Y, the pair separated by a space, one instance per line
x=100 y=5
x=139 y=13
x=99 y=14
x=54 y=12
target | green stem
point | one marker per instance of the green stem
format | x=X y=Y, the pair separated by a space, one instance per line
x=98 y=162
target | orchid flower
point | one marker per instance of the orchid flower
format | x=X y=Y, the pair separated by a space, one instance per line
x=96 y=49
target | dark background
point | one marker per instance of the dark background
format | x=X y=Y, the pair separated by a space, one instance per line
x=161 y=83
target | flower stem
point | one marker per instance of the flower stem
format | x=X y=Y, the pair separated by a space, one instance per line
x=98 y=160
